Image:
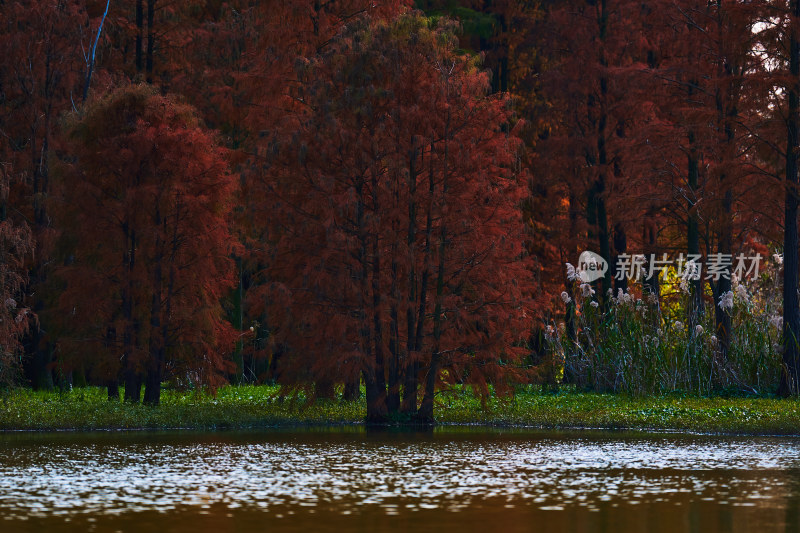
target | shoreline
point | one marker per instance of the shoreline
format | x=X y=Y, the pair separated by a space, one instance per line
x=333 y=426
x=260 y=408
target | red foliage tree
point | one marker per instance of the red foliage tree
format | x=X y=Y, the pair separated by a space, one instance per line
x=582 y=153
x=396 y=238
x=40 y=71
x=144 y=196
x=708 y=99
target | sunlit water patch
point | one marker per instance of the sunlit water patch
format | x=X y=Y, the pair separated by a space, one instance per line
x=344 y=479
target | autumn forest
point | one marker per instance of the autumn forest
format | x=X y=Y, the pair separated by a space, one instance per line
x=361 y=198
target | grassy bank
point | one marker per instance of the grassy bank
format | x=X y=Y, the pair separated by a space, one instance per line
x=261 y=406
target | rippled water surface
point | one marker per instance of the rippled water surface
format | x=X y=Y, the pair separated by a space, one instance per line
x=398 y=481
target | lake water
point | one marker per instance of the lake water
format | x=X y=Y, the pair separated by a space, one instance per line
x=352 y=479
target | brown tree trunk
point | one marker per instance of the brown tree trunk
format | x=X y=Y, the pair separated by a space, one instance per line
x=155 y=362
x=723 y=317
x=152 y=386
x=425 y=412
x=569 y=286
x=377 y=318
x=394 y=371
x=131 y=372
x=42 y=361
x=620 y=248
x=133 y=386
x=726 y=115
x=650 y=239
x=139 y=36
x=696 y=310
x=352 y=389
x=410 y=366
x=790 y=378
x=393 y=385
x=599 y=190
x=112 y=383
x=376 y=398
x=323 y=390
x=112 y=387
x=151 y=39
x=411 y=408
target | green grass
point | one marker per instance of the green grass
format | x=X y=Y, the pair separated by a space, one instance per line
x=261 y=406
x=617 y=411
x=233 y=407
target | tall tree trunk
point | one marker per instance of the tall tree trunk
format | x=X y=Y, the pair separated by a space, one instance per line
x=352 y=385
x=112 y=381
x=151 y=39
x=503 y=60
x=139 y=36
x=167 y=310
x=133 y=386
x=131 y=372
x=411 y=408
x=410 y=366
x=377 y=320
x=569 y=287
x=4 y=182
x=596 y=212
x=393 y=388
x=155 y=362
x=155 y=370
x=790 y=378
x=376 y=398
x=650 y=239
x=239 y=373
x=620 y=248
x=393 y=392
x=726 y=114
x=352 y=389
x=112 y=388
x=425 y=412
x=696 y=310
x=42 y=361
x=602 y=156
x=723 y=286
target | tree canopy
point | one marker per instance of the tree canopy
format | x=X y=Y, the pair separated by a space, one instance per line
x=332 y=195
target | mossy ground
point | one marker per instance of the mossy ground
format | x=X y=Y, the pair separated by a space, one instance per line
x=263 y=406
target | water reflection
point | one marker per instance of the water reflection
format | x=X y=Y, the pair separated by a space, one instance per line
x=333 y=479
